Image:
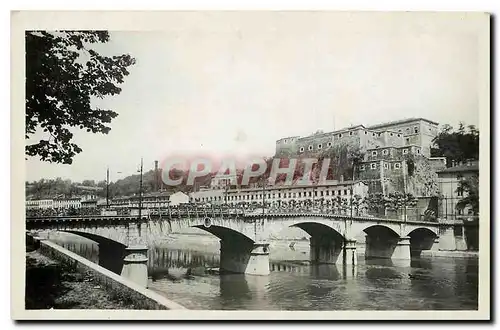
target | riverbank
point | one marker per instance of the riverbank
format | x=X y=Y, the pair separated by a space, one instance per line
x=51 y=285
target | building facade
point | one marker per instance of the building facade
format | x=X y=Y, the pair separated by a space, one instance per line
x=449 y=182
x=418 y=132
x=390 y=151
x=281 y=193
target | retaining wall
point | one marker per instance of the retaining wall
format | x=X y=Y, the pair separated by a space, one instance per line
x=142 y=297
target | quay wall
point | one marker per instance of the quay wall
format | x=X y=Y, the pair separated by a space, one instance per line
x=143 y=298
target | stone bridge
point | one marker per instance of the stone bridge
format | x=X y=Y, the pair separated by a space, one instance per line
x=244 y=237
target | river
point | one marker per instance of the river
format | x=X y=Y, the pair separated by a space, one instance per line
x=430 y=283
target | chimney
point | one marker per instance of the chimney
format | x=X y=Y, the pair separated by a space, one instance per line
x=156 y=177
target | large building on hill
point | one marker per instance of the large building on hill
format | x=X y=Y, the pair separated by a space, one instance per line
x=396 y=155
x=417 y=133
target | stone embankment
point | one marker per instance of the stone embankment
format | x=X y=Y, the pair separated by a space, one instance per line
x=59 y=279
x=52 y=285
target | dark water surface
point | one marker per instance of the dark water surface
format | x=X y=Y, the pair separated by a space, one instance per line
x=428 y=284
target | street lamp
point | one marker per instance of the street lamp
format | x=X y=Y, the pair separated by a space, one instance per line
x=107 y=186
x=140 y=193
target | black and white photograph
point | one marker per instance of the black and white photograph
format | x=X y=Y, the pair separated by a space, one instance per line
x=302 y=165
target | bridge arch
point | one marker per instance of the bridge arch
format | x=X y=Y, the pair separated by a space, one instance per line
x=421 y=231
x=314 y=228
x=380 y=241
x=99 y=239
x=421 y=239
x=226 y=234
x=111 y=252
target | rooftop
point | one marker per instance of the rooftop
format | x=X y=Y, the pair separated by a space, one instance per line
x=359 y=126
x=402 y=121
x=472 y=166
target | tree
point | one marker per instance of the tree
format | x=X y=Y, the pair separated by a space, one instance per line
x=358 y=205
x=63 y=74
x=470 y=188
x=458 y=146
x=374 y=202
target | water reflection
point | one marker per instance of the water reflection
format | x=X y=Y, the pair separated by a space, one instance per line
x=375 y=284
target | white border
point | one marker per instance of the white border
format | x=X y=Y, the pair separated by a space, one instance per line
x=121 y=21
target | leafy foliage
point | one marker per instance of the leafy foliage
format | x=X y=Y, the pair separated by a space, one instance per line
x=422 y=179
x=62 y=75
x=375 y=202
x=469 y=187
x=378 y=203
x=458 y=146
x=398 y=200
x=51 y=188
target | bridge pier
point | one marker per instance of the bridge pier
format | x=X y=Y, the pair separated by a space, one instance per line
x=324 y=250
x=350 y=256
x=135 y=263
x=435 y=245
x=402 y=253
x=251 y=259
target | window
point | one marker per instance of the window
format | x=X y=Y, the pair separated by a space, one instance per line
x=418 y=151
x=397 y=166
x=407 y=140
x=310 y=148
x=320 y=146
x=301 y=149
x=385 y=152
x=340 y=135
x=399 y=135
x=400 y=130
x=321 y=193
x=300 y=194
x=310 y=194
x=460 y=192
x=328 y=192
x=345 y=191
x=350 y=133
x=279 y=195
x=415 y=129
x=329 y=144
x=405 y=151
x=386 y=166
x=366 y=132
x=373 y=166
x=362 y=167
x=392 y=134
x=315 y=193
x=374 y=153
x=373 y=134
x=286 y=141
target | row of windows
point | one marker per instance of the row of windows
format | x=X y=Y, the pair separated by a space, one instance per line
x=386 y=152
x=408 y=129
x=387 y=166
x=320 y=146
x=400 y=131
x=247 y=197
x=380 y=134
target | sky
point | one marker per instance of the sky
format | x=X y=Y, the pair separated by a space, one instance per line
x=235 y=83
